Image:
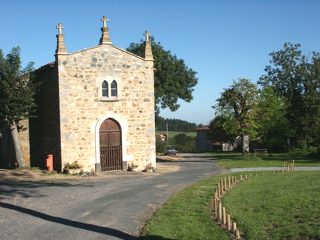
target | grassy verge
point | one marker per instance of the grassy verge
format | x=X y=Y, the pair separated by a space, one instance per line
x=272 y=206
x=186 y=216
x=235 y=160
x=277 y=206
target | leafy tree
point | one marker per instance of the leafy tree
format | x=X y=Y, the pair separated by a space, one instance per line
x=173 y=80
x=239 y=104
x=217 y=132
x=274 y=126
x=160 y=145
x=183 y=143
x=17 y=92
x=296 y=78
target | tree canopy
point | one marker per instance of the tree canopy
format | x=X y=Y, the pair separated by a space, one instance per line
x=274 y=127
x=183 y=143
x=173 y=79
x=239 y=104
x=16 y=89
x=295 y=77
x=218 y=133
x=17 y=92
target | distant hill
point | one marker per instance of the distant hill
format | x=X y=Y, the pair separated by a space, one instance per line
x=175 y=125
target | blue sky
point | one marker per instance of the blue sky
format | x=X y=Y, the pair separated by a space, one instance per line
x=221 y=40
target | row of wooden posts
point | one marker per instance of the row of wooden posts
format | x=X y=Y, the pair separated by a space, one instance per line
x=224 y=185
x=223 y=218
x=288 y=168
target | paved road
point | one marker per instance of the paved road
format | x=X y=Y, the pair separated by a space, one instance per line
x=114 y=208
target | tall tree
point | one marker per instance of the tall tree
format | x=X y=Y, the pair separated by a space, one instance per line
x=239 y=104
x=17 y=92
x=275 y=128
x=218 y=129
x=296 y=78
x=173 y=80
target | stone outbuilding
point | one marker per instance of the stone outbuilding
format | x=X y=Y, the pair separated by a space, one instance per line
x=203 y=143
x=206 y=145
x=95 y=106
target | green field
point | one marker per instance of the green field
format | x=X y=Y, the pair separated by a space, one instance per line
x=172 y=134
x=268 y=206
x=230 y=160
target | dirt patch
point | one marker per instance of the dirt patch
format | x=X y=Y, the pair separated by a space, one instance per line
x=169 y=158
x=39 y=175
x=166 y=168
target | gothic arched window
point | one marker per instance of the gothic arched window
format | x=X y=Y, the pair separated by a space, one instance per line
x=114 y=89
x=104 y=89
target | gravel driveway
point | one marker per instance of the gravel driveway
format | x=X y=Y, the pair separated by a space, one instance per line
x=111 y=208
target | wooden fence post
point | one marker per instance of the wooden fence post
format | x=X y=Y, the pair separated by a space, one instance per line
x=229 y=183
x=228 y=222
x=220 y=210
x=224 y=220
x=219 y=190
x=221 y=185
x=238 y=234
x=234 y=227
x=215 y=202
x=225 y=184
x=293 y=164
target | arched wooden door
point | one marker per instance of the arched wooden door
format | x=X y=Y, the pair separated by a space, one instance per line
x=110 y=146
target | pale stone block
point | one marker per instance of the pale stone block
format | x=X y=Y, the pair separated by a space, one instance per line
x=64 y=119
x=67 y=137
x=61 y=68
x=63 y=93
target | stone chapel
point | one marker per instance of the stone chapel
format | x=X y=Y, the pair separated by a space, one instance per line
x=95 y=106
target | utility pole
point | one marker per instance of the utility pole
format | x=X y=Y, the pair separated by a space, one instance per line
x=167 y=133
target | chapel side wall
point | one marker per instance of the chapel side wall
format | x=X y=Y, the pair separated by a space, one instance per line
x=80 y=77
x=44 y=130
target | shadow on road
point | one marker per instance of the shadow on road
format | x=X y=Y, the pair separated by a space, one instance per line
x=28 y=189
x=67 y=222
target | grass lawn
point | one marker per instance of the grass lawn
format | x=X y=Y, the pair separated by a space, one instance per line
x=172 y=134
x=268 y=206
x=235 y=160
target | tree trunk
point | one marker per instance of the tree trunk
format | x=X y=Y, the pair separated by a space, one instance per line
x=17 y=145
x=245 y=144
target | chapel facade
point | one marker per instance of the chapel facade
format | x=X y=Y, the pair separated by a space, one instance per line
x=96 y=107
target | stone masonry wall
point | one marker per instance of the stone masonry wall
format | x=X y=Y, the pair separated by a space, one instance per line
x=82 y=106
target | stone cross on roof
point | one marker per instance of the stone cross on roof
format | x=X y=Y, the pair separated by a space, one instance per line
x=60 y=27
x=147 y=34
x=105 y=20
